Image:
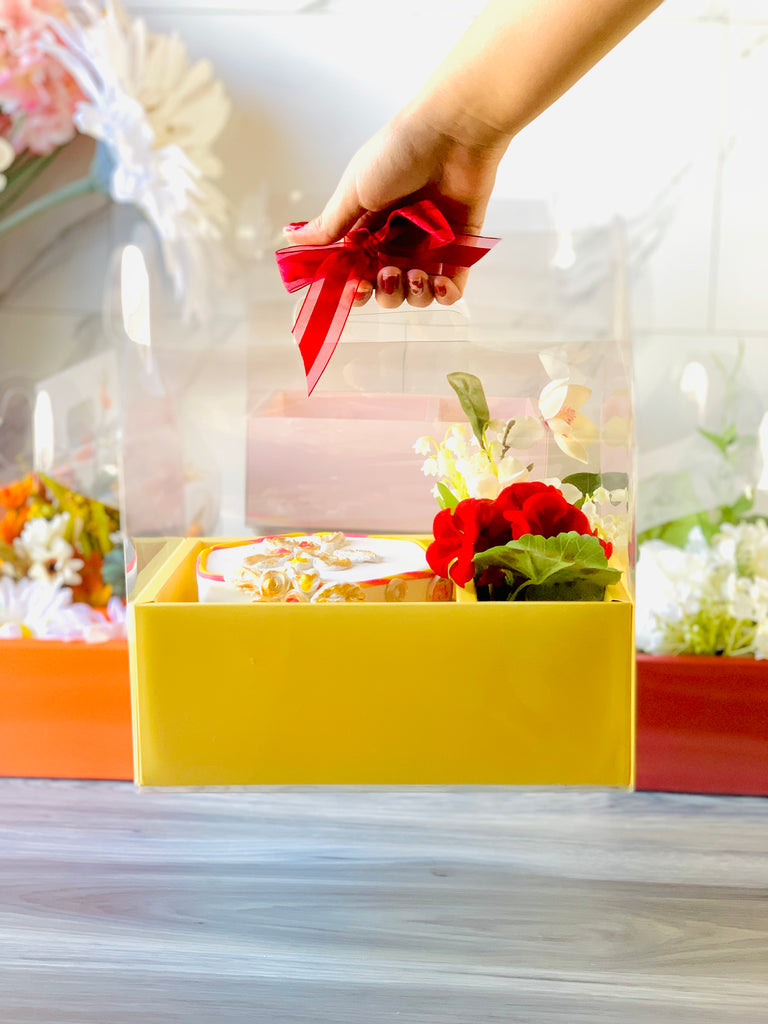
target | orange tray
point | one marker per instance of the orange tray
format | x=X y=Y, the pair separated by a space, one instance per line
x=65 y=710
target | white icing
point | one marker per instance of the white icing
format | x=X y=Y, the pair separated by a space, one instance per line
x=373 y=558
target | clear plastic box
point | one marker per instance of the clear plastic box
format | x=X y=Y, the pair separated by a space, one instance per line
x=220 y=441
x=64 y=682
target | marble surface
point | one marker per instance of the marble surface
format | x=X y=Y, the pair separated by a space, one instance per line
x=357 y=905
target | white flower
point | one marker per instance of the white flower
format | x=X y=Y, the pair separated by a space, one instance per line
x=510 y=469
x=423 y=445
x=478 y=474
x=702 y=599
x=523 y=432
x=559 y=403
x=49 y=557
x=36 y=609
x=7 y=156
x=459 y=439
x=156 y=116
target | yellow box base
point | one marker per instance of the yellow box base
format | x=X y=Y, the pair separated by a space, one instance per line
x=452 y=693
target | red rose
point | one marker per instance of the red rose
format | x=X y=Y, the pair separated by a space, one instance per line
x=476 y=524
x=542 y=509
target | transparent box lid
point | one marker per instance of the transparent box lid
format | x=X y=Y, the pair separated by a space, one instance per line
x=220 y=439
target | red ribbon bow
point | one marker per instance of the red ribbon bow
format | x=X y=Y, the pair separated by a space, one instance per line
x=417 y=235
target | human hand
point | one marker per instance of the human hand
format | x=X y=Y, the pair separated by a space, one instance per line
x=408 y=159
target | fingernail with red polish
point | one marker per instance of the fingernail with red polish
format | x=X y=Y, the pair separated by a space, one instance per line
x=440 y=290
x=389 y=283
x=295 y=225
x=416 y=285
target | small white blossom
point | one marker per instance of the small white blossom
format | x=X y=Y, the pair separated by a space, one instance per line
x=423 y=445
x=48 y=556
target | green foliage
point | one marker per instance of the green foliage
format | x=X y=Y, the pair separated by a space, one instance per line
x=445 y=497
x=571 y=566
x=90 y=522
x=677 y=531
x=723 y=441
x=588 y=483
x=469 y=390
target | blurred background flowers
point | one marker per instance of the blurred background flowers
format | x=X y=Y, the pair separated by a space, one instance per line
x=77 y=69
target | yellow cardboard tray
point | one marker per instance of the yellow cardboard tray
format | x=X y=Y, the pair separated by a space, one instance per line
x=446 y=693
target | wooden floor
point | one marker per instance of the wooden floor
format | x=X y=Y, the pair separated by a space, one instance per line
x=346 y=905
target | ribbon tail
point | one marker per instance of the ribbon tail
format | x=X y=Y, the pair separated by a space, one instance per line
x=322 y=316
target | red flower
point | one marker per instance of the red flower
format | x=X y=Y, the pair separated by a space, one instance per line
x=542 y=509
x=476 y=524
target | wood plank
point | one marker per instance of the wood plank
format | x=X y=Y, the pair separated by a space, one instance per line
x=365 y=905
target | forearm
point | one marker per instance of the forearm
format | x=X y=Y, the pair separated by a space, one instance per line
x=516 y=59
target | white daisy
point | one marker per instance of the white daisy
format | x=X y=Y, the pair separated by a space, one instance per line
x=31 y=608
x=155 y=116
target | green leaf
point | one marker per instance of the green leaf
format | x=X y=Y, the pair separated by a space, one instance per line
x=7 y=552
x=676 y=532
x=588 y=483
x=709 y=522
x=568 y=558
x=721 y=441
x=446 y=498
x=569 y=590
x=736 y=512
x=473 y=401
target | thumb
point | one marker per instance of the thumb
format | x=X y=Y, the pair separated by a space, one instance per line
x=341 y=212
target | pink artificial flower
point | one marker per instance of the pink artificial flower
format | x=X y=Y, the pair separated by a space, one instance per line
x=37 y=95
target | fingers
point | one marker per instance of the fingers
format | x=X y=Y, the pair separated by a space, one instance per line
x=393 y=286
x=390 y=290
x=341 y=212
x=418 y=291
x=416 y=288
x=363 y=293
x=446 y=290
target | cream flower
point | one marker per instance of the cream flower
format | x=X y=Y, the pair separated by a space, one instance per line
x=156 y=116
x=523 y=432
x=49 y=557
x=511 y=469
x=559 y=403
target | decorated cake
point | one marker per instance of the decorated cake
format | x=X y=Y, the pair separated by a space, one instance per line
x=318 y=567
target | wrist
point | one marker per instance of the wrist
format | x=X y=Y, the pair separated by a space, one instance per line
x=436 y=122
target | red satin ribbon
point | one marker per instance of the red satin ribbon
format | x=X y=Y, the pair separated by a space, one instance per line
x=417 y=235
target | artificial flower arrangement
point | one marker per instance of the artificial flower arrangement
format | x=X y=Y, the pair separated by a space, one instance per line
x=69 y=68
x=708 y=597
x=511 y=538
x=61 y=564
x=702 y=578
